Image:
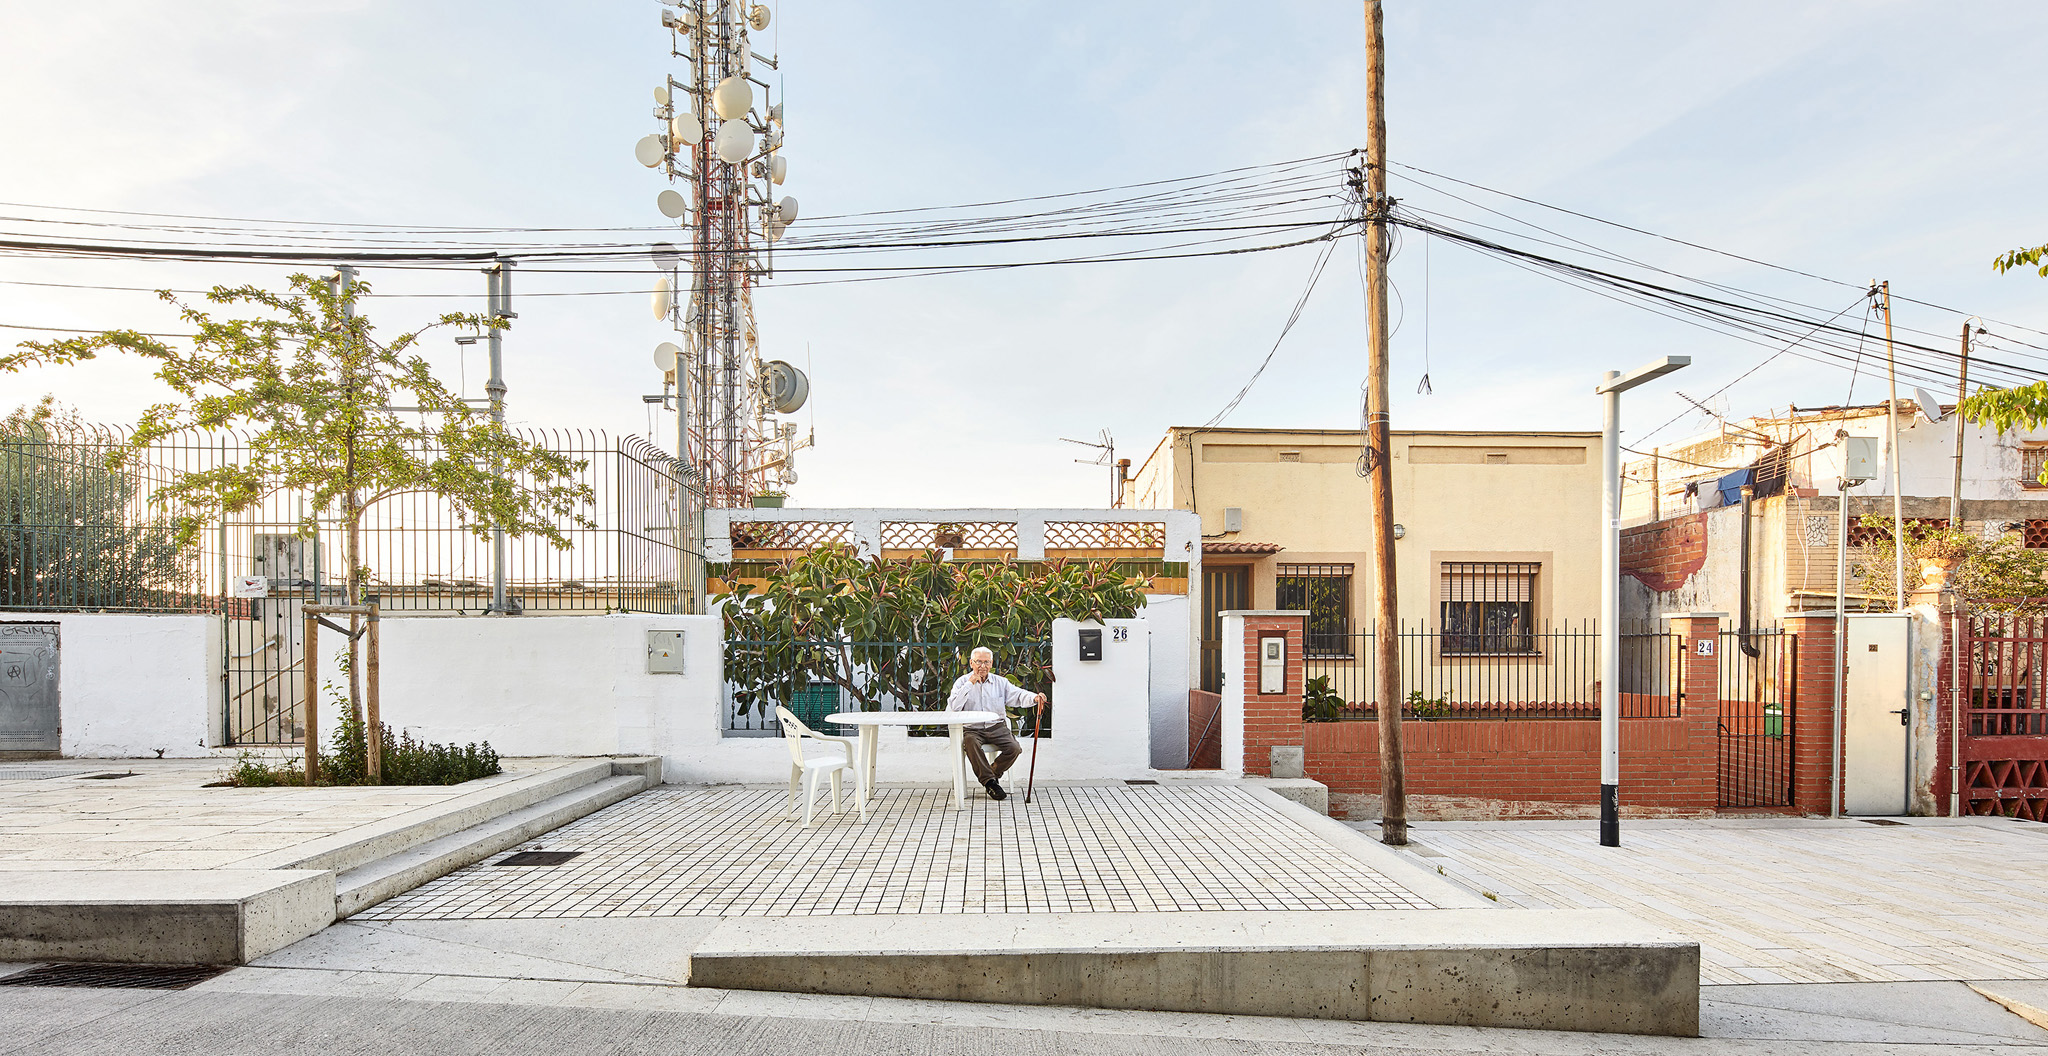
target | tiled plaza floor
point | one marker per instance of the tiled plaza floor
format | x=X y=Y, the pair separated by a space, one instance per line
x=159 y=814
x=1074 y=849
x=1786 y=900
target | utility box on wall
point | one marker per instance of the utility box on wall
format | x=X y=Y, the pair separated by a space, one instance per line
x=1273 y=664
x=664 y=652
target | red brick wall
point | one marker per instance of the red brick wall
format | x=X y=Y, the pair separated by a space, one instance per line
x=1813 y=719
x=1662 y=555
x=1270 y=719
x=1665 y=763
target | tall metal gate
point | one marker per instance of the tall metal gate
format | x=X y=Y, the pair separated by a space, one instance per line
x=262 y=642
x=1998 y=726
x=1759 y=706
x=1224 y=587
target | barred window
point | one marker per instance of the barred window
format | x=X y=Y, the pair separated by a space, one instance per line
x=1488 y=607
x=2033 y=460
x=1324 y=592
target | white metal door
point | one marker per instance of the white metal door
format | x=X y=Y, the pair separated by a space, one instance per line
x=1874 y=732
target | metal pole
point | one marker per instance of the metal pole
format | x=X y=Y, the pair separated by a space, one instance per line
x=1892 y=455
x=1379 y=444
x=373 y=721
x=309 y=676
x=1955 y=497
x=1841 y=647
x=1610 y=613
x=499 y=298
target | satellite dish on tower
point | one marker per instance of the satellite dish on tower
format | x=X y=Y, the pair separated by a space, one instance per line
x=734 y=142
x=672 y=204
x=665 y=355
x=665 y=255
x=784 y=387
x=732 y=98
x=649 y=151
x=1930 y=408
x=662 y=299
x=685 y=128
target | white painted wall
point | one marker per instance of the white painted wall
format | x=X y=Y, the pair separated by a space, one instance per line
x=1103 y=721
x=1233 y=694
x=1171 y=617
x=131 y=684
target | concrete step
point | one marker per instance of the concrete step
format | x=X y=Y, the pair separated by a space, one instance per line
x=364 y=844
x=368 y=884
x=1584 y=970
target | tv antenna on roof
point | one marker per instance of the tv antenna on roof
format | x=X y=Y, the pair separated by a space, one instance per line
x=1107 y=447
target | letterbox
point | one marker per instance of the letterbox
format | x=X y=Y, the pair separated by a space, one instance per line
x=1091 y=643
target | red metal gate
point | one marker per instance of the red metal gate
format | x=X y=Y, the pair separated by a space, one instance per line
x=1995 y=742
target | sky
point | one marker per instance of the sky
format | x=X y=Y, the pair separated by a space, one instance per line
x=1852 y=141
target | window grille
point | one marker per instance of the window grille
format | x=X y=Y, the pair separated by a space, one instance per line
x=1864 y=534
x=1488 y=607
x=1324 y=592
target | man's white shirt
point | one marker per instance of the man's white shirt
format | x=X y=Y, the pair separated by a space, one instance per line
x=992 y=695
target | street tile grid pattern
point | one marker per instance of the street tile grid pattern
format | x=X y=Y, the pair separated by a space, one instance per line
x=1074 y=849
x=1791 y=901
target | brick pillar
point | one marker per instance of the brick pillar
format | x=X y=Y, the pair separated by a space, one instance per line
x=1813 y=718
x=1271 y=719
x=1698 y=786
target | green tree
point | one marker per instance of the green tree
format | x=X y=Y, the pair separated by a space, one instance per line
x=69 y=537
x=2022 y=406
x=312 y=384
x=904 y=609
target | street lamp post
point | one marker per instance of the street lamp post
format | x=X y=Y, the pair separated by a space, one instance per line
x=1611 y=386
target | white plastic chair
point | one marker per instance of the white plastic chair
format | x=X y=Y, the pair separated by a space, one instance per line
x=794 y=732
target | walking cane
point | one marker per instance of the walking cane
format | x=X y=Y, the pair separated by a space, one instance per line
x=1037 y=719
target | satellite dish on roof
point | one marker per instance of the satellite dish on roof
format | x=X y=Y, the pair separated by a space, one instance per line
x=784 y=386
x=1930 y=408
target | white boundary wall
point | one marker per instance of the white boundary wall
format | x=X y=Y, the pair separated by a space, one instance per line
x=564 y=685
x=131 y=685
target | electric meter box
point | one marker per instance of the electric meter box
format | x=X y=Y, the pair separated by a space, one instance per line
x=664 y=652
x=1859 y=458
x=1273 y=665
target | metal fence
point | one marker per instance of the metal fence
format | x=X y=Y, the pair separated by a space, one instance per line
x=1549 y=673
x=1759 y=709
x=83 y=527
x=865 y=676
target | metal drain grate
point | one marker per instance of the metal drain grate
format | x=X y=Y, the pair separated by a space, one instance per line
x=118 y=976
x=537 y=858
x=1139 y=781
x=35 y=773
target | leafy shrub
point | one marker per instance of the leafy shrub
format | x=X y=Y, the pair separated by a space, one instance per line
x=1426 y=708
x=405 y=761
x=1320 y=703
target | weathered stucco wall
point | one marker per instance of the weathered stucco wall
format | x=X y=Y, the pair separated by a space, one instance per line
x=134 y=685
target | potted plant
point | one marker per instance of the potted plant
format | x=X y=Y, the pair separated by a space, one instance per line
x=1939 y=552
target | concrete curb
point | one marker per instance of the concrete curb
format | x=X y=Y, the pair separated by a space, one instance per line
x=1440 y=891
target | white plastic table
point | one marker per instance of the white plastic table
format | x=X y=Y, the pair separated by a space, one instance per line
x=871 y=723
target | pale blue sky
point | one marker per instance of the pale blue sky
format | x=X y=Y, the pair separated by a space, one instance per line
x=1855 y=140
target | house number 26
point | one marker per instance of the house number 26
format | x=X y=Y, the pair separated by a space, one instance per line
x=1119 y=634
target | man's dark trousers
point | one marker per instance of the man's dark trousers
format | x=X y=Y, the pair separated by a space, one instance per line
x=998 y=737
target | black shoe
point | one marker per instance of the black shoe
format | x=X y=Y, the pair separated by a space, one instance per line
x=995 y=789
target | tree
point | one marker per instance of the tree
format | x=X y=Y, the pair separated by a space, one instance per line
x=916 y=620
x=312 y=384
x=68 y=532
x=2023 y=406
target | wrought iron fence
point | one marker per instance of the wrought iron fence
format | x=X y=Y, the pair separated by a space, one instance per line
x=83 y=527
x=1551 y=673
x=1759 y=707
x=817 y=678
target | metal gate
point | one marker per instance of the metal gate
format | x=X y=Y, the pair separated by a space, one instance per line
x=1998 y=735
x=1224 y=588
x=262 y=643
x=1759 y=706
x=29 y=715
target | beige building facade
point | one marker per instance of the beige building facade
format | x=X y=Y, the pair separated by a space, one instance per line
x=1498 y=533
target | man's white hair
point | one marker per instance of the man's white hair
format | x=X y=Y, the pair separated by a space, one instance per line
x=981 y=650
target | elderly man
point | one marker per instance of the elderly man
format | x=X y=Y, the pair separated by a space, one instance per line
x=980 y=689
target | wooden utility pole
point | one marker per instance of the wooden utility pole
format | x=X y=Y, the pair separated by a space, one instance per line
x=1955 y=496
x=1891 y=409
x=1386 y=641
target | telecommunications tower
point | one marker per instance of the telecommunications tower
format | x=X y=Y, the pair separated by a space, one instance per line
x=722 y=156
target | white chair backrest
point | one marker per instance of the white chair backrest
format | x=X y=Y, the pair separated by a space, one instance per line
x=793 y=730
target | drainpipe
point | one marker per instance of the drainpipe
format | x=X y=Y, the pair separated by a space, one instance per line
x=1742 y=630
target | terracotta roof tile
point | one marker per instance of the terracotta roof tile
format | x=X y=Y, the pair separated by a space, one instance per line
x=1219 y=547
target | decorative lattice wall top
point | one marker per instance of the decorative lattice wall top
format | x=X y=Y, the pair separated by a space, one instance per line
x=1105 y=535
x=935 y=535
x=789 y=535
